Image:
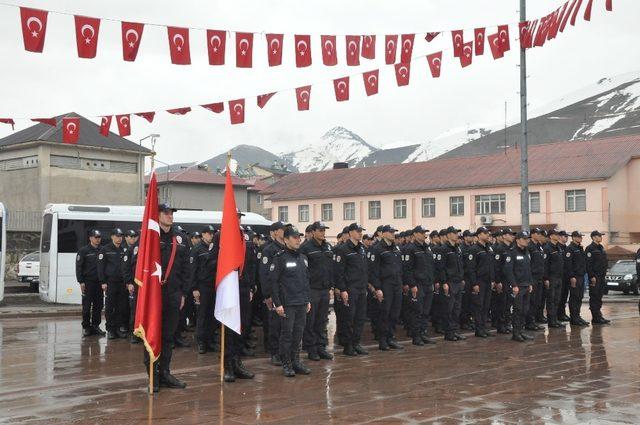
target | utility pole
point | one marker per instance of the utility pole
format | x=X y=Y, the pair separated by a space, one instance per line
x=524 y=147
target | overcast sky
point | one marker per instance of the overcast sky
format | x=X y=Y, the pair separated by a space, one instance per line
x=57 y=81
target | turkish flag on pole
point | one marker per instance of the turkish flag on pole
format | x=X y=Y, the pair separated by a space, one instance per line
x=575 y=13
x=457 y=38
x=216 y=42
x=587 y=11
x=390 y=48
x=341 y=87
x=274 y=49
x=230 y=262
x=131 y=36
x=407 y=47
x=87 y=30
x=217 y=107
x=303 y=96
x=244 y=49
x=496 y=47
x=303 y=50
x=34 y=28
x=467 y=54
x=369 y=46
x=403 y=72
x=105 y=125
x=147 y=115
x=263 y=99
x=609 y=5
x=435 y=64
x=70 y=130
x=148 y=276
x=370 y=80
x=179 y=45
x=503 y=35
x=48 y=121
x=329 y=57
x=124 y=125
x=524 y=32
x=479 y=39
x=236 y=111
x=353 y=50
x=430 y=36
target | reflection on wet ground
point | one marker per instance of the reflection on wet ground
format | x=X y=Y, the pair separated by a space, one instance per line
x=50 y=374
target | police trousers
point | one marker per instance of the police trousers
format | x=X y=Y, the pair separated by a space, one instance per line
x=356 y=312
x=424 y=304
x=315 y=330
x=453 y=306
x=291 y=330
x=480 y=303
x=205 y=319
x=534 y=301
x=595 y=296
x=520 y=308
x=116 y=309
x=390 y=309
x=553 y=298
x=575 y=297
x=170 y=315
x=92 y=301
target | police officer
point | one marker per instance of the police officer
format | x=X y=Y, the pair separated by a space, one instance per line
x=538 y=259
x=597 y=264
x=502 y=297
x=203 y=260
x=564 y=294
x=554 y=274
x=469 y=261
x=452 y=284
x=129 y=261
x=481 y=280
x=195 y=238
x=90 y=288
x=577 y=269
x=110 y=274
x=291 y=296
x=517 y=275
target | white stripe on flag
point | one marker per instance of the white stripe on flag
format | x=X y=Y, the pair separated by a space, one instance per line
x=228 y=302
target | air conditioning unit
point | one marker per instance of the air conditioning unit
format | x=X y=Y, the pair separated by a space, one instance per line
x=486 y=220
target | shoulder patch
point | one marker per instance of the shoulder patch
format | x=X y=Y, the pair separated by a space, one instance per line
x=179 y=239
x=101 y=256
x=439 y=257
x=125 y=258
x=135 y=250
x=338 y=259
x=265 y=260
x=508 y=259
x=470 y=256
x=497 y=256
x=588 y=254
x=272 y=267
x=259 y=255
x=568 y=254
x=434 y=256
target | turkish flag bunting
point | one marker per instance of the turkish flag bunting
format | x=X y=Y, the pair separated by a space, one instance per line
x=216 y=44
x=34 y=28
x=48 y=121
x=370 y=80
x=236 y=111
x=264 y=98
x=341 y=87
x=587 y=11
x=430 y=36
x=303 y=50
x=179 y=45
x=524 y=33
x=146 y=115
x=244 y=49
x=390 y=48
x=87 y=30
x=407 y=47
x=214 y=107
x=496 y=46
x=179 y=111
x=467 y=54
x=124 y=125
x=105 y=125
x=369 y=46
x=329 y=57
x=560 y=18
x=435 y=64
x=530 y=33
x=479 y=34
x=353 y=50
x=131 y=36
x=575 y=13
x=503 y=35
x=403 y=72
x=274 y=49
x=543 y=30
x=457 y=37
x=565 y=19
x=609 y=5
x=8 y=121
x=557 y=20
x=70 y=130
x=303 y=96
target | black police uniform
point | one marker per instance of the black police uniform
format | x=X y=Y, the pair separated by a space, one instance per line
x=576 y=269
x=451 y=273
x=268 y=253
x=564 y=293
x=536 y=304
x=203 y=260
x=110 y=272
x=481 y=275
x=499 y=297
x=517 y=272
x=554 y=273
x=469 y=262
x=419 y=272
x=129 y=261
x=92 y=299
x=597 y=264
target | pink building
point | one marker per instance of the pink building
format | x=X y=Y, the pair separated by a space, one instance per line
x=580 y=185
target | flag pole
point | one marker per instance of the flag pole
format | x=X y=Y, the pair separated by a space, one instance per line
x=150 y=377
x=222 y=324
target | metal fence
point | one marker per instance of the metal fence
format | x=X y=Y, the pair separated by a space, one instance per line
x=24 y=221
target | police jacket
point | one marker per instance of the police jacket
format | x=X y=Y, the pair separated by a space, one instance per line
x=177 y=283
x=110 y=263
x=566 y=266
x=468 y=262
x=555 y=261
x=500 y=251
x=578 y=265
x=538 y=260
x=268 y=252
x=451 y=266
x=419 y=265
x=437 y=261
x=385 y=265
x=129 y=261
x=248 y=276
x=203 y=261
x=87 y=264
x=483 y=263
x=288 y=279
x=351 y=266
x=517 y=267
x=320 y=258
x=597 y=262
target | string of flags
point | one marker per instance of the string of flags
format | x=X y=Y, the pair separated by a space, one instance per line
x=534 y=33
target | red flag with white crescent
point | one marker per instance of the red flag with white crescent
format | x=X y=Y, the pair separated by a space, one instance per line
x=495 y=45
x=146 y=115
x=303 y=50
x=274 y=49
x=179 y=45
x=479 y=34
x=503 y=36
x=329 y=57
x=217 y=107
x=341 y=88
x=403 y=73
x=303 y=97
x=216 y=44
x=34 y=28
x=390 y=49
x=70 y=130
x=105 y=125
x=131 y=37
x=353 y=50
x=244 y=49
x=87 y=31
x=263 y=99
x=435 y=64
x=457 y=38
x=370 y=80
x=466 y=57
x=407 y=47
x=236 y=111
x=124 y=125
x=368 y=46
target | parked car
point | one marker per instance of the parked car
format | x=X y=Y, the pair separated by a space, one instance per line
x=622 y=277
x=29 y=269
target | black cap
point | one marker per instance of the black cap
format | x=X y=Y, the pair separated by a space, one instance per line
x=308 y=229
x=442 y=232
x=345 y=229
x=339 y=235
x=523 y=235
x=388 y=228
x=508 y=231
x=434 y=234
x=277 y=225
x=132 y=233
x=180 y=229
x=482 y=229
x=399 y=235
x=290 y=231
x=536 y=230
x=208 y=229
x=419 y=229
x=544 y=233
x=164 y=207
x=576 y=234
x=117 y=231
x=354 y=226
x=451 y=229
x=467 y=233
x=318 y=225
x=379 y=228
x=95 y=233
x=596 y=233
x=497 y=233
x=196 y=235
x=552 y=232
x=366 y=237
x=563 y=233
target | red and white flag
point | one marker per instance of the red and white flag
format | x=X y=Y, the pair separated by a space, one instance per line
x=467 y=54
x=353 y=50
x=149 y=116
x=124 y=125
x=263 y=99
x=244 y=49
x=567 y=15
x=274 y=49
x=435 y=64
x=407 y=47
x=457 y=38
x=495 y=45
x=574 y=16
x=49 y=121
x=303 y=50
x=430 y=36
x=329 y=57
x=368 y=46
x=236 y=111
x=216 y=44
x=479 y=34
x=341 y=88
x=303 y=97
x=370 y=80
x=403 y=72
x=9 y=121
x=390 y=49
x=217 y=107
x=587 y=11
x=503 y=35
x=70 y=130
x=105 y=125
x=179 y=45
x=131 y=36
x=180 y=111
x=87 y=31
x=34 y=28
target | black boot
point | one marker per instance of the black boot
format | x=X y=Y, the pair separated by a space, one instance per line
x=349 y=351
x=122 y=333
x=112 y=335
x=275 y=360
x=359 y=349
x=324 y=354
x=299 y=367
x=86 y=332
x=181 y=342
x=313 y=355
x=229 y=375
x=240 y=370
x=517 y=337
x=96 y=330
x=394 y=344
x=169 y=381
x=134 y=339
x=287 y=369
x=417 y=341
x=383 y=346
x=202 y=348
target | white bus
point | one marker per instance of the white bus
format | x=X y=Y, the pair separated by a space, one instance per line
x=3 y=247
x=65 y=229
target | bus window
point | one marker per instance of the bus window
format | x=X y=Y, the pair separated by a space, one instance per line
x=73 y=234
x=46 y=232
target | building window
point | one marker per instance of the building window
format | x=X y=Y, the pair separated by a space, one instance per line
x=259 y=199
x=400 y=208
x=349 y=210
x=456 y=205
x=575 y=200
x=374 y=210
x=327 y=212
x=490 y=204
x=303 y=213
x=428 y=207
x=283 y=214
x=534 y=202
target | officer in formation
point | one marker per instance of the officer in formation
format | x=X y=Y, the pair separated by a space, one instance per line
x=129 y=260
x=203 y=259
x=90 y=288
x=110 y=260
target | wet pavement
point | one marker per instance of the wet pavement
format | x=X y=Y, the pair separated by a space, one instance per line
x=50 y=374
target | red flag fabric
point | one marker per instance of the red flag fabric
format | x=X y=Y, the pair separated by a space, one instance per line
x=560 y=18
x=575 y=13
x=390 y=48
x=329 y=57
x=495 y=45
x=587 y=11
x=435 y=64
x=479 y=34
x=370 y=80
x=303 y=97
x=148 y=276
x=236 y=111
x=403 y=72
x=48 y=121
x=430 y=36
x=467 y=54
x=274 y=49
x=87 y=30
x=341 y=88
x=353 y=50
x=503 y=35
x=105 y=125
x=609 y=5
x=264 y=98
x=124 y=125
x=216 y=44
x=34 y=28
x=531 y=33
x=407 y=47
x=179 y=111
x=524 y=33
x=70 y=130
x=214 y=107
x=369 y=46
x=146 y=115
x=567 y=16
x=457 y=37
x=303 y=50
x=244 y=49
x=8 y=121
x=179 y=45
x=131 y=36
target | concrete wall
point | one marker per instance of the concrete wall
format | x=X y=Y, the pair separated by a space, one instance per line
x=198 y=196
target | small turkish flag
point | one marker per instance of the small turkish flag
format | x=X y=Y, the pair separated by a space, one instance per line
x=369 y=46
x=503 y=35
x=214 y=107
x=575 y=13
x=105 y=125
x=264 y=98
x=530 y=33
x=87 y=30
x=407 y=47
x=341 y=87
x=329 y=57
x=567 y=15
x=479 y=38
x=70 y=130
x=124 y=125
x=8 y=121
x=524 y=34
x=390 y=48
x=216 y=43
x=457 y=38
x=543 y=30
x=370 y=80
x=353 y=50
x=274 y=49
x=587 y=11
x=236 y=111
x=34 y=28
x=303 y=96
x=179 y=45
x=435 y=63
x=496 y=47
x=303 y=50
x=609 y=5
x=146 y=115
x=555 y=25
x=131 y=36
x=403 y=72
x=48 y=121
x=430 y=36
x=467 y=54
x=179 y=111
x=244 y=49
